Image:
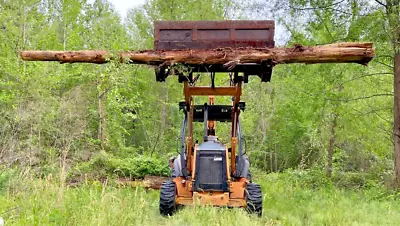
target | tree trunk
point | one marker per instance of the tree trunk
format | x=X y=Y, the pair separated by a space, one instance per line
x=270 y=161
x=360 y=53
x=275 y=160
x=100 y=114
x=396 y=105
x=393 y=17
x=100 y=129
x=164 y=109
x=331 y=146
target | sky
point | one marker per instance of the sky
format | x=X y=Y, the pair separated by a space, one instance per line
x=122 y=6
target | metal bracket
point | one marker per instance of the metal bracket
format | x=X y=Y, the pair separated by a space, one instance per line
x=266 y=70
x=162 y=73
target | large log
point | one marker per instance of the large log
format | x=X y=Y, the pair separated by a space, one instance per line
x=360 y=53
x=81 y=56
x=148 y=182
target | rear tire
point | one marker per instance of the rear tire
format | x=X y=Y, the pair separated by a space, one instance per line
x=254 y=199
x=167 y=198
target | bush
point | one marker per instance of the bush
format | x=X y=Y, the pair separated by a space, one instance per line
x=308 y=178
x=6 y=175
x=316 y=178
x=105 y=165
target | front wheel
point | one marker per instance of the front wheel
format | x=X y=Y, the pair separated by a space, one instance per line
x=167 y=198
x=254 y=199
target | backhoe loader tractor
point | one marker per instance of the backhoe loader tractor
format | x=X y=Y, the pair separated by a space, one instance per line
x=209 y=172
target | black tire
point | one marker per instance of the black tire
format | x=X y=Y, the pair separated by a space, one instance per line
x=254 y=199
x=167 y=198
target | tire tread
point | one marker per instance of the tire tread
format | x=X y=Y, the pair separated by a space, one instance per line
x=254 y=199
x=167 y=198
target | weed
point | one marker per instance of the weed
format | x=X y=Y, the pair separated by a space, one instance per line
x=287 y=201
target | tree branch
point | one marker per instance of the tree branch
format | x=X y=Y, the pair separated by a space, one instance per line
x=381 y=117
x=319 y=7
x=373 y=111
x=363 y=76
x=381 y=3
x=384 y=64
x=361 y=98
x=106 y=91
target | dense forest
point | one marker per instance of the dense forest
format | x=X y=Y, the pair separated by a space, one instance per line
x=321 y=124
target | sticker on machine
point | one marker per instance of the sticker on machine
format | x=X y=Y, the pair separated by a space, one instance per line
x=217 y=159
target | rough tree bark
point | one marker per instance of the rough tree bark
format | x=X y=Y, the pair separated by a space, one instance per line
x=360 y=53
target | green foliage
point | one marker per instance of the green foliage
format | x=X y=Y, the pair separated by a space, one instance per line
x=315 y=178
x=6 y=175
x=293 y=117
x=87 y=123
x=286 y=201
x=105 y=165
x=57 y=116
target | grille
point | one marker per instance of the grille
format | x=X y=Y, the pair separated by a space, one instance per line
x=211 y=171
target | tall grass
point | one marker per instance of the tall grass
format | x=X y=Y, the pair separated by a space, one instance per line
x=25 y=200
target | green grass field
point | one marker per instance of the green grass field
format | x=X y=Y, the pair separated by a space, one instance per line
x=28 y=201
